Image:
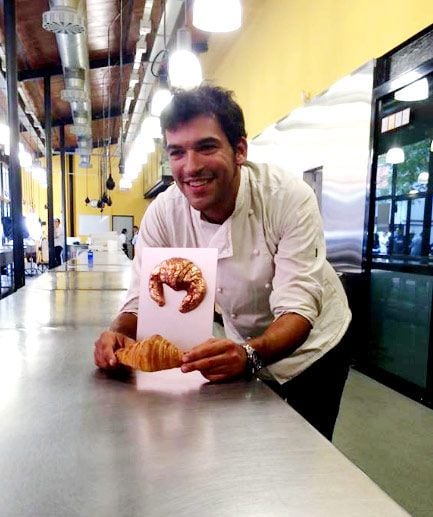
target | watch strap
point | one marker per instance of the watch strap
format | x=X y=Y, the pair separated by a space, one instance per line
x=254 y=363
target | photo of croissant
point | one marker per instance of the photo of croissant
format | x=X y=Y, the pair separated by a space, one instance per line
x=150 y=355
x=181 y=275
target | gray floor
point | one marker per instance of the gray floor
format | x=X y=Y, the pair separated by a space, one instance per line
x=390 y=437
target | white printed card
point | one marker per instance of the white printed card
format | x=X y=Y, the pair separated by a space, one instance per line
x=183 y=329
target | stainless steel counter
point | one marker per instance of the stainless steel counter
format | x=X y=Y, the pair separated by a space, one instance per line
x=77 y=442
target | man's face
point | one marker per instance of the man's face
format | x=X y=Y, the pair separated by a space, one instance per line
x=205 y=166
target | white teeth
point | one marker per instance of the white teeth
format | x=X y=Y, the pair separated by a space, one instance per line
x=197 y=183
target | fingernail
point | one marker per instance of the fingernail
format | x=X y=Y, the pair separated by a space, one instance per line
x=112 y=362
x=184 y=369
x=185 y=358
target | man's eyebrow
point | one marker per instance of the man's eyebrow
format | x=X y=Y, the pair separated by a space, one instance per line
x=198 y=143
x=208 y=140
x=172 y=146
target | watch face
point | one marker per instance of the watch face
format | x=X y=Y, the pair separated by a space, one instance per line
x=93 y=203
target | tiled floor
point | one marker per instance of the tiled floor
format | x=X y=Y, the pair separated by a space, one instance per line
x=390 y=437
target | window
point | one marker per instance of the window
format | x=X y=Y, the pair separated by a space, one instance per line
x=403 y=180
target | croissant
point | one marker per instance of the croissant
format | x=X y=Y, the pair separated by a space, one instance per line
x=151 y=354
x=179 y=274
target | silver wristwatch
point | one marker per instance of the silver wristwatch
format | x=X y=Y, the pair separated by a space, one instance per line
x=254 y=363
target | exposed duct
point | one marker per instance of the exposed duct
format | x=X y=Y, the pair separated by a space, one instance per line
x=67 y=19
x=172 y=12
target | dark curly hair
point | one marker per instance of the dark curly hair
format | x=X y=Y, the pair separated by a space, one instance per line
x=206 y=100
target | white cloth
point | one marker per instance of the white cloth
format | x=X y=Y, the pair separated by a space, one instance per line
x=58 y=236
x=271 y=261
x=121 y=239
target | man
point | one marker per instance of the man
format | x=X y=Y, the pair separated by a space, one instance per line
x=283 y=307
x=135 y=230
x=122 y=241
x=58 y=242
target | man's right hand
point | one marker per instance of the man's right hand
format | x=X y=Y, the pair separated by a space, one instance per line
x=105 y=347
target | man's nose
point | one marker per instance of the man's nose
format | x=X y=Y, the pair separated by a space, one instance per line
x=193 y=162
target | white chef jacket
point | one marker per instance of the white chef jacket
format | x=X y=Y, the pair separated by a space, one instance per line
x=58 y=236
x=271 y=261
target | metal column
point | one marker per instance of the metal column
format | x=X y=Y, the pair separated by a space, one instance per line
x=71 y=194
x=63 y=182
x=48 y=151
x=14 y=166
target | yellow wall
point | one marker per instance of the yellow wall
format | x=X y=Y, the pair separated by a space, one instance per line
x=286 y=47
x=129 y=202
x=35 y=196
x=86 y=182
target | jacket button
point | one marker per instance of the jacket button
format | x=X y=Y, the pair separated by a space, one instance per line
x=256 y=252
x=233 y=315
x=219 y=290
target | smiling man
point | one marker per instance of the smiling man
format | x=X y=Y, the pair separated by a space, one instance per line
x=283 y=307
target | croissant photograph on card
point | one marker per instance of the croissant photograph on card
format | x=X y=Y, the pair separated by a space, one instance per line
x=181 y=275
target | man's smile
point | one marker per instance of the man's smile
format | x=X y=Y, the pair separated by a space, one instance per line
x=198 y=182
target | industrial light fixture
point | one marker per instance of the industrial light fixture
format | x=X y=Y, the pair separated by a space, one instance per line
x=217 y=16
x=423 y=178
x=395 y=155
x=160 y=99
x=125 y=184
x=417 y=91
x=184 y=69
x=151 y=126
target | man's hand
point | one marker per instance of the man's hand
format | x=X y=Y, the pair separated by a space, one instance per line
x=105 y=347
x=218 y=360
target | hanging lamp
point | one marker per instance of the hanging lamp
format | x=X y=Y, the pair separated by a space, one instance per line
x=395 y=155
x=160 y=99
x=184 y=69
x=217 y=15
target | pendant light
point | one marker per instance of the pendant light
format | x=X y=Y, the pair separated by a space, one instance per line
x=151 y=126
x=217 y=15
x=395 y=155
x=184 y=69
x=417 y=91
x=110 y=184
x=87 y=200
x=160 y=99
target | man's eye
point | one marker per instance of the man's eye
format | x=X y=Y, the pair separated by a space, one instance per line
x=175 y=153
x=207 y=148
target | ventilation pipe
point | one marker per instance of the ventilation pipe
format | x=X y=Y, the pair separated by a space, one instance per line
x=172 y=11
x=67 y=20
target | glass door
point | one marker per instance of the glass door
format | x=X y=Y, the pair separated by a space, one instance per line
x=400 y=253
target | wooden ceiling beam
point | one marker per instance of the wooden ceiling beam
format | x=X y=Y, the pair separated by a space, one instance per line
x=116 y=111
x=30 y=75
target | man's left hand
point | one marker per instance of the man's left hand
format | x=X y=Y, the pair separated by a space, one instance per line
x=218 y=360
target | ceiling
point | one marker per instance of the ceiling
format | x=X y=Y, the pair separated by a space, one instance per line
x=112 y=33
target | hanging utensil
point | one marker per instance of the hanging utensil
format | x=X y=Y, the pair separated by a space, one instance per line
x=110 y=184
x=87 y=200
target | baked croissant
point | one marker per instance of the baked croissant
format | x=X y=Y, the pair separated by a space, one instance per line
x=179 y=274
x=151 y=354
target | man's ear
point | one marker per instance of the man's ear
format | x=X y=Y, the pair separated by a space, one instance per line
x=241 y=151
